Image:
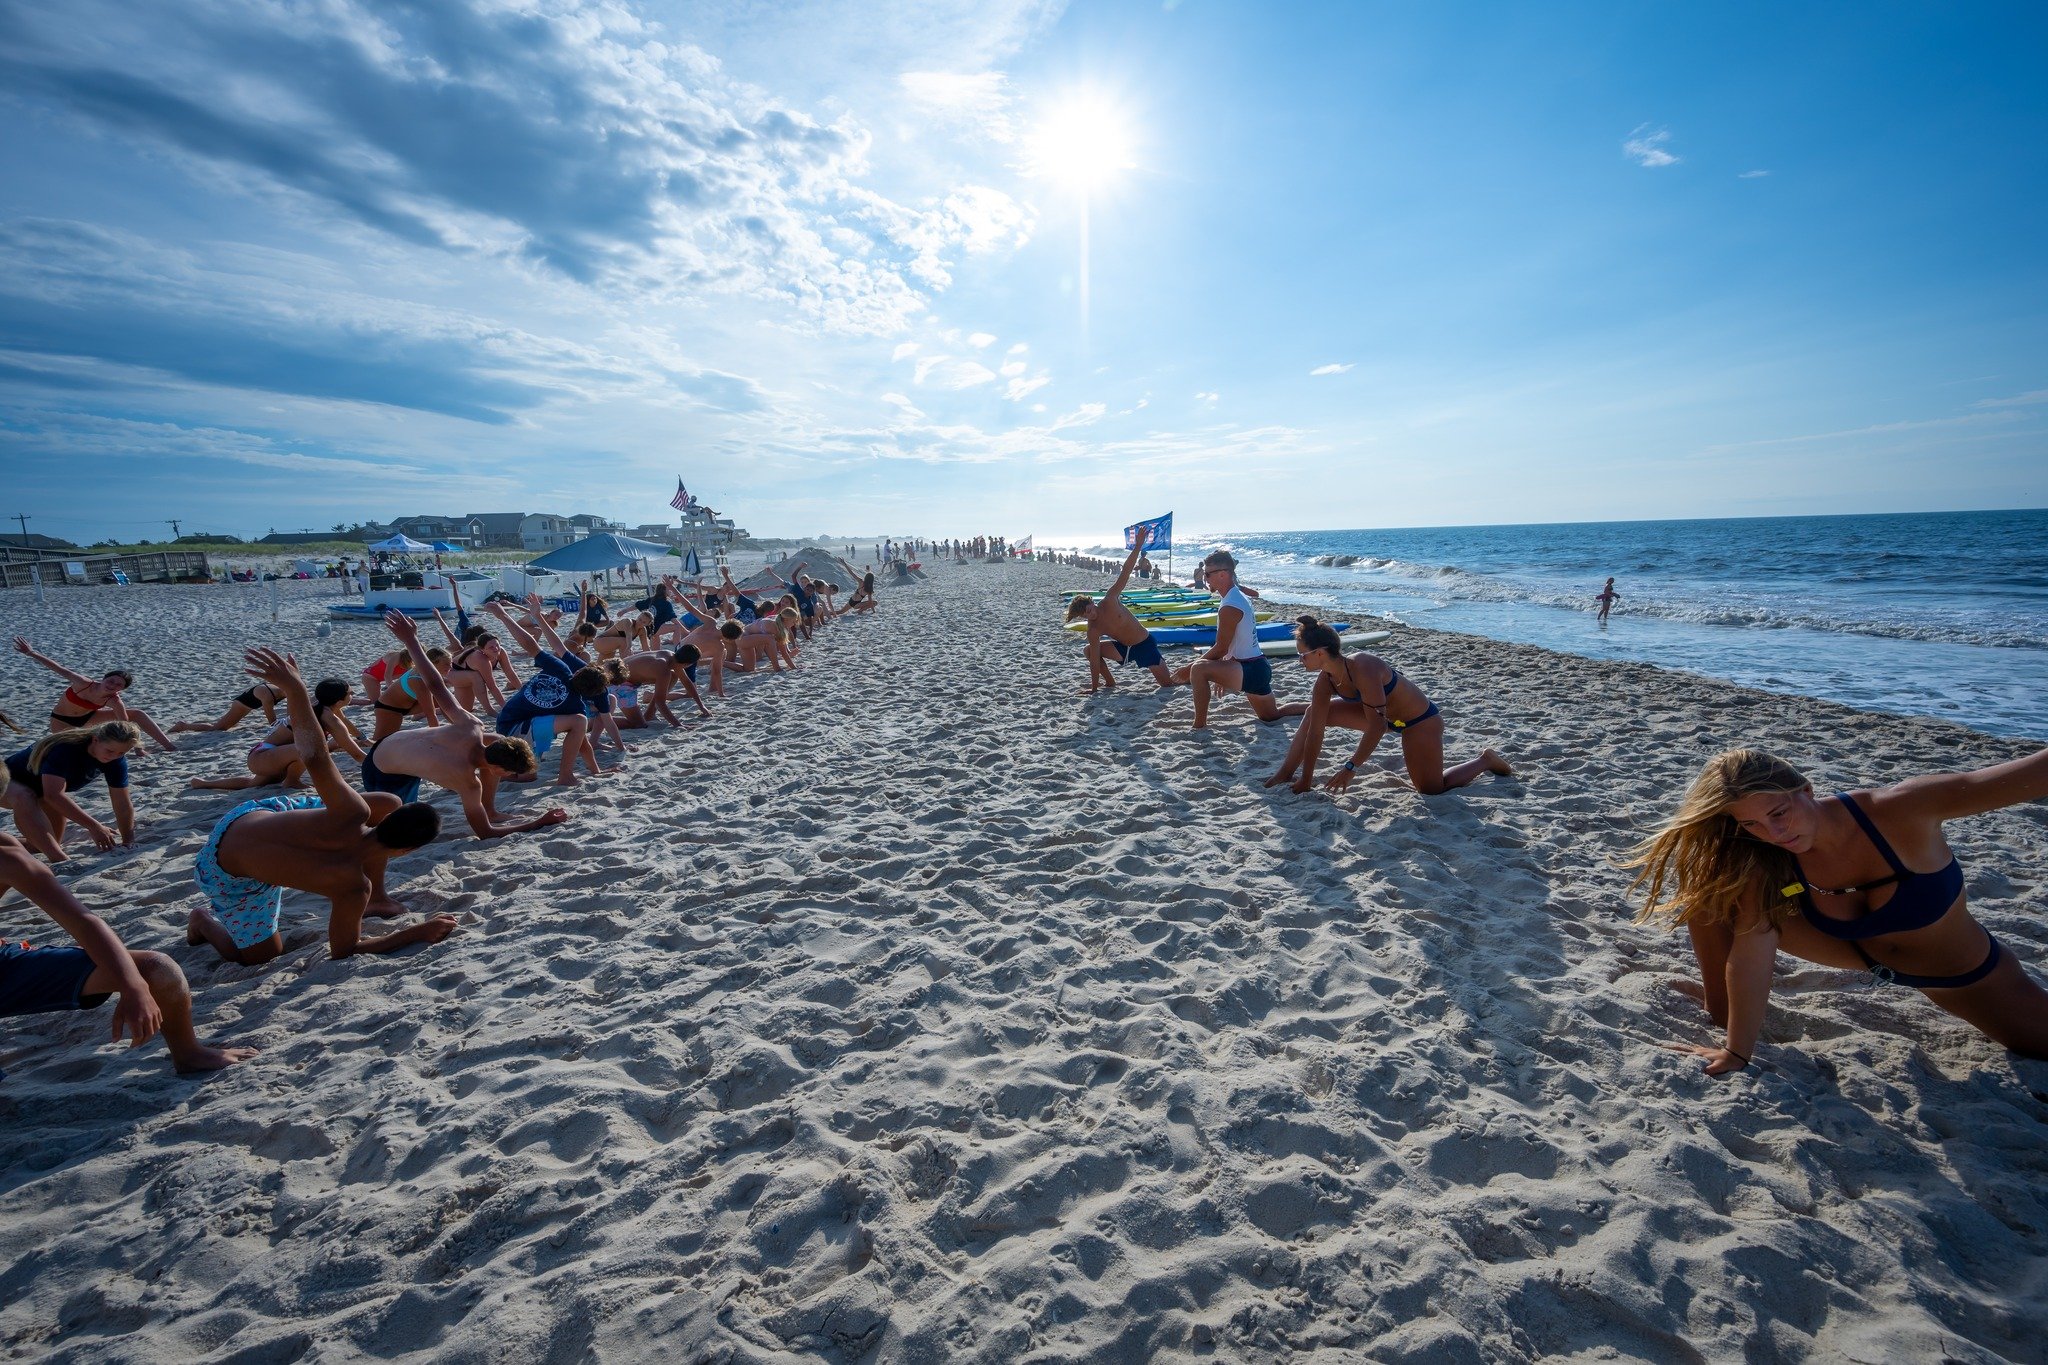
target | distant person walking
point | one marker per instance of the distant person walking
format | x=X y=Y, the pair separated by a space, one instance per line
x=1607 y=598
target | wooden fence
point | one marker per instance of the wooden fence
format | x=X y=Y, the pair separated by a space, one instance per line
x=163 y=566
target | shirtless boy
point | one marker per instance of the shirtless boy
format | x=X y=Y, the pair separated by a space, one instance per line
x=334 y=844
x=1115 y=634
x=459 y=755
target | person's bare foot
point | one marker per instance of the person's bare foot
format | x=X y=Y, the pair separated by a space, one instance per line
x=193 y=938
x=568 y=780
x=1284 y=775
x=383 y=908
x=1301 y=786
x=203 y=1058
x=1495 y=763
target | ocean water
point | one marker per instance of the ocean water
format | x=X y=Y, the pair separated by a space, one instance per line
x=1929 y=614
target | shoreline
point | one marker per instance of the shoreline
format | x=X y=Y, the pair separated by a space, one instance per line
x=918 y=1008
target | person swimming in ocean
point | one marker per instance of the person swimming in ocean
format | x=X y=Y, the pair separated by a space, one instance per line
x=1366 y=693
x=1753 y=862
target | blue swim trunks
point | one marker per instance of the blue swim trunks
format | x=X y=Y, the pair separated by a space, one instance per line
x=1258 y=676
x=43 y=980
x=1145 y=653
x=404 y=786
x=247 y=908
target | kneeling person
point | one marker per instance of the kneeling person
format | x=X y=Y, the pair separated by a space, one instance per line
x=459 y=755
x=334 y=844
x=154 y=996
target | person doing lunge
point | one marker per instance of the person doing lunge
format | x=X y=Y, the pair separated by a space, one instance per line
x=274 y=760
x=1235 y=663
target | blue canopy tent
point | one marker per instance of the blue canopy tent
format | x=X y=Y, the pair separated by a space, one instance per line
x=595 y=553
x=442 y=547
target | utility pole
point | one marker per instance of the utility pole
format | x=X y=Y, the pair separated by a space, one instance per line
x=24 y=529
x=174 y=530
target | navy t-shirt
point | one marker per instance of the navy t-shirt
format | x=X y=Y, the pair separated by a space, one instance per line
x=663 y=609
x=547 y=693
x=72 y=762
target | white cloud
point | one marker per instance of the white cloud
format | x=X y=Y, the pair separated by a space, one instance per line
x=1752 y=175
x=1647 y=148
x=621 y=158
x=904 y=350
x=1019 y=349
x=982 y=340
x=1088 y=414
x=1332 y=368
x=948 y=372
x=1206 y=397
x=2019 y=400
x=1020 y=388
x=974 y=102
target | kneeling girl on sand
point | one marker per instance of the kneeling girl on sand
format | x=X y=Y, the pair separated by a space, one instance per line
x=42 y=778
x=1364 y=692
x=1753 y=861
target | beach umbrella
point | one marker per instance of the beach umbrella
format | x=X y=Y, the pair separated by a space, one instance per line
x=401 y=544
x=595 y=553
x=442 y=547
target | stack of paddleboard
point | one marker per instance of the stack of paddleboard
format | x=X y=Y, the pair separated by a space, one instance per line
x=1187 y=617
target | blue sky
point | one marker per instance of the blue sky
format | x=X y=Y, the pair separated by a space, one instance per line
x=283 y=265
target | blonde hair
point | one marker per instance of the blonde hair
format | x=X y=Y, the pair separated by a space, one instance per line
x=113 y=731
x=1711 y=867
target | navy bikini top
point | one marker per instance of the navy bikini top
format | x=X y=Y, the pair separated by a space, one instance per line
x=1921 y=898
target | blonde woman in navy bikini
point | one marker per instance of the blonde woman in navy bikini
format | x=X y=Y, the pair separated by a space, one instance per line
x=1753 y=861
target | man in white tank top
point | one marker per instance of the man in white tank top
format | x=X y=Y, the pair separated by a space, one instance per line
x=1234 y=663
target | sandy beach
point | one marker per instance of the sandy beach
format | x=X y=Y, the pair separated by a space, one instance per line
x=915 y=1008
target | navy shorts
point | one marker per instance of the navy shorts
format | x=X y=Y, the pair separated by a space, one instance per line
x=1258 y=676
x=42 y=980
x=404 y=786
x=1145 y=653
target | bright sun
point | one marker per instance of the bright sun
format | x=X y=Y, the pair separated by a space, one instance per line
x=1081 y=143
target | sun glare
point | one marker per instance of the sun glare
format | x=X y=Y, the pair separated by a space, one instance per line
x=1081 y=143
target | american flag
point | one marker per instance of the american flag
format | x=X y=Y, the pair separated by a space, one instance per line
x=682 y=498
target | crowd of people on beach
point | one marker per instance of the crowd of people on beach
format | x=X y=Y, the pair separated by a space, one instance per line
x=1740 y=864
x=1753 y=861
x=457 y=715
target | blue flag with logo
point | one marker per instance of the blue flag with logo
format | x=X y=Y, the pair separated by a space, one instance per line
x=1162 y=533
